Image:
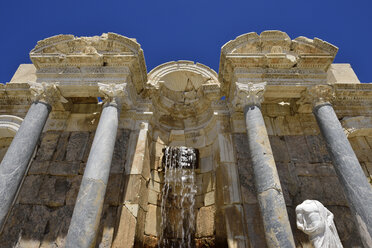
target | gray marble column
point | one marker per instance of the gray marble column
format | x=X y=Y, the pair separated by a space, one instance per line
x=89 y=204
x=15 y=162
x=270 y=197
x=350 y=174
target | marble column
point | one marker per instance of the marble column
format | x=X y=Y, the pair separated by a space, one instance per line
x=270 y=197
x=357 y=190
x=89 y=204
x=15 y=162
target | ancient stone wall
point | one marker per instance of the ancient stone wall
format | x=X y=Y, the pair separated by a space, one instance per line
x=306 y=172
x=42 y=213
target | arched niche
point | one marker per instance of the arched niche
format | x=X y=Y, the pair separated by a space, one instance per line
x=9 y=125
x=182 y=93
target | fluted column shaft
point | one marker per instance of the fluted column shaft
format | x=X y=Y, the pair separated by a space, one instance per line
x=357 y=190
x=86 y=217
x=270 y=197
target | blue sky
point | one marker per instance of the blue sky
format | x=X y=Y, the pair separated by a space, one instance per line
x=186 y=30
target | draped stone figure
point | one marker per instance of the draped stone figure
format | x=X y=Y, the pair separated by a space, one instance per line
x=317 y=221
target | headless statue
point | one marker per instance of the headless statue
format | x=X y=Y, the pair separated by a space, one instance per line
x=317 y=221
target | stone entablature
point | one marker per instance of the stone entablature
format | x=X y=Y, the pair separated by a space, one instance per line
x=107 y=58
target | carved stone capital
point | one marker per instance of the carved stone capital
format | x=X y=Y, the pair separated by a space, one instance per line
x=115 y=94
x=46 y=92
x=317 y=95
x=248 y=94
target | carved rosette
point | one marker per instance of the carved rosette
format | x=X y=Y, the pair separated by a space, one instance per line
x=46 y=92
x=115 y=94
x=248 y=94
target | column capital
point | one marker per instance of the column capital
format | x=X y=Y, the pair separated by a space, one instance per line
x=115 y=94
x=319 y=94
x=46 y=92
x=248 y=94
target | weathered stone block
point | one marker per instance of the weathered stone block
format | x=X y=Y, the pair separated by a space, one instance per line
x=226 y=148
x=332 y=192
x=114 y=189
x=118 y=158
x=10 y=236
x=318 y=149
x=38 y=167
x=317 y=169
x=281 y=126
x=234 y=217
x=48 y=145
x=72 y=193
x=57 y=227
x=153 y=220
x=209 y=198
x=247 y=186
x=205 y=224
x=88 y=146
x=64 y=168
x=297 y=148
x=76 y=146
x=157 y=176
x=154 y=198
x=208 y=182
x=345 y=225
x=294 y=125
x=241 y=146
x=206 y=164
x=60 y=152
x=53 y=190
x=279 y=148
x=106 y=228
x=126 y=229
x=135 y=190
x=226 y=182
x=309 y=125
x=30 y=189
x=254 y=225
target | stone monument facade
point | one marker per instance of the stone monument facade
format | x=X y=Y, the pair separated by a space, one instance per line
x=83 y=129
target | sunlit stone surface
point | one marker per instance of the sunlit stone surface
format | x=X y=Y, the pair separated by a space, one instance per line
x=264 y=145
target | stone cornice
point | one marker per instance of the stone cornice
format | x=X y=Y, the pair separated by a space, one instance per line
x=248 y=94
x=71 y=56
x=273 y=50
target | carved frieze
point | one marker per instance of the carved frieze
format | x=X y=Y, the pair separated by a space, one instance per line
x=88 y=59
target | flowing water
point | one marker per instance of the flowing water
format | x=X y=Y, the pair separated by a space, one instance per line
x=178 y=198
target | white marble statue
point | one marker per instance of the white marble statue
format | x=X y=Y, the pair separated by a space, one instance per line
x=317 y=221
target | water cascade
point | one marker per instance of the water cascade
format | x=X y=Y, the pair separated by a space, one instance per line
x=178 y=197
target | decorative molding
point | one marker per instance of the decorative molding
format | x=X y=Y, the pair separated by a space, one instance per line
x=274 y=51
x=46 y=92
x=89 y=56
x=248 y=94
x=317 y=95
x=321 y=94
x=115 y=94
x=357 y=126
x=9 y=125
